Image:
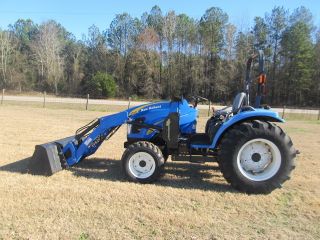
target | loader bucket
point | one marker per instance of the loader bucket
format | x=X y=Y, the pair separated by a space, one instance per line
x=47 y=158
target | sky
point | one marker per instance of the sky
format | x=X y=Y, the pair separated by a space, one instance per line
x=78 y=15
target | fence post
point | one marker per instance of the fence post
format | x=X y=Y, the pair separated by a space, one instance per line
x=209 y=108
x=44 y=99
x=129 y=102
x=87 y=101
x=319 y=114
x=2 y=96
x=283 y=111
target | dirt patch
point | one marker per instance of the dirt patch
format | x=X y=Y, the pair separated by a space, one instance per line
x=192 y=201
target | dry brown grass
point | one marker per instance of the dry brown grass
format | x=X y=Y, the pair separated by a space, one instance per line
x=192 y=201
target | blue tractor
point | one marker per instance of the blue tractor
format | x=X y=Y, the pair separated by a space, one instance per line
x=253 y=153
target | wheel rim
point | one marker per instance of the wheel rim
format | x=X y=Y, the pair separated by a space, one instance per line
x=142 y=165
x=259 y=159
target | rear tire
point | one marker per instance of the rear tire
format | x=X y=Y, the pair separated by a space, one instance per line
x=256 y=157
x=143 y=162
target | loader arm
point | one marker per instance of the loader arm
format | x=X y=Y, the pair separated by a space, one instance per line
x=51 y=157
x=89 y=139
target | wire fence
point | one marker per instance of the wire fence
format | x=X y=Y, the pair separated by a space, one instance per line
x=112 y=105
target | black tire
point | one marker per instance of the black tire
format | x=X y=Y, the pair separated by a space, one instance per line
x=144 y=147
x=240 y=134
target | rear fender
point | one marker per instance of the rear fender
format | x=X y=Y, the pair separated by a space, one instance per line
x=259 y=114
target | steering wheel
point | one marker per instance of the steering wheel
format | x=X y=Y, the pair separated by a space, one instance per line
x=198 y=99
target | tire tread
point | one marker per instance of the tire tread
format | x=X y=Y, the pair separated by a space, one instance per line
x=249 y=130
x=143 y=146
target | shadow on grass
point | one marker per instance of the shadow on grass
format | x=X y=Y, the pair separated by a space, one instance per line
x=20 y=166
x=177 y=174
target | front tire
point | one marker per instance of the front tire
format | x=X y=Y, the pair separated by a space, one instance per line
x=256 y=157
x=143 y=162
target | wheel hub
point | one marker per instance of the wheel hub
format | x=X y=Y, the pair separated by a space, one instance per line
x=259 y=159
x=256 y=157
x=142 y=165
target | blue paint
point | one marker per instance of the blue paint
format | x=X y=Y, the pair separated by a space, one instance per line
x=256 y=114
x=154 y=114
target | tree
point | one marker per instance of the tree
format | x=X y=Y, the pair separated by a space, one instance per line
x=148 y=39
x=315 y=94
x=74 y=63
x=101 y=85
x=244 y=49
x=155 y=20
x=230 y=40
x=121 y=37
x=141 y=73
x=260 y=31
x=24 y=32
x=48 y=47
x=169 y=28
x=164 y=53
x=185 y=34
x=277 y=21
x=212 y=25
x=6 y=50
x=95 y=52
x=227 y=74
x=298 y=55
x=121 y=33
x=302 y=14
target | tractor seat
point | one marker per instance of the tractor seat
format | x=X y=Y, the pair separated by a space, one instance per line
x=238 y=102
x=207 y=138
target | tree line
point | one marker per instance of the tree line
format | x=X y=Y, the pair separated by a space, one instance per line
x=163 y=54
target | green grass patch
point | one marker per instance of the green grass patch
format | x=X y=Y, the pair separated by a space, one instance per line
x=296 y=130
x=285 y=199
x=300 y=117
x=84 y=236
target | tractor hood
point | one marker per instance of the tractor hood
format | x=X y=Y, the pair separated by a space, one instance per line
x=138 y=111
x=155 y=113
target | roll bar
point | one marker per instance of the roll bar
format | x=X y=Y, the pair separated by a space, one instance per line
x=261 y=79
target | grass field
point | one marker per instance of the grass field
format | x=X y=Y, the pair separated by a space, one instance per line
x=192 y=201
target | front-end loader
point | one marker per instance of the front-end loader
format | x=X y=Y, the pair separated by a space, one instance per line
x=254 y=154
